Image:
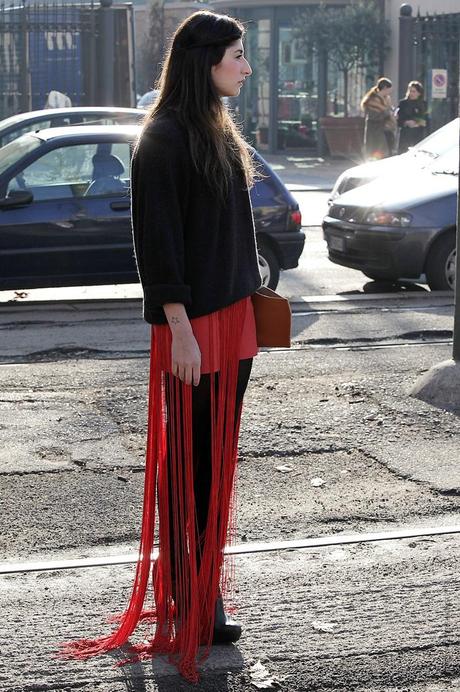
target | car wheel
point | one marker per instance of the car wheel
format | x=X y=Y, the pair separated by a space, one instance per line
x=440 y=264
x=269 y=267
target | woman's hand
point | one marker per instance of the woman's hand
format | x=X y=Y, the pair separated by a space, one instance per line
x=185 y=352
x=186 y=358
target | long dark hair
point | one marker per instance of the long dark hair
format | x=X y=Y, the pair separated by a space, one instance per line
x=185 y=84
x=418 y=86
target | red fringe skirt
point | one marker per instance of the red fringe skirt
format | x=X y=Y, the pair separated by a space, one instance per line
x=182 y=579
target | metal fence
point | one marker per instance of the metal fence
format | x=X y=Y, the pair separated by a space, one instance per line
x=55 y=46
x=436 y=41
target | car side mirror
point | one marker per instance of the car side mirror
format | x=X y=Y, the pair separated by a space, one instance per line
x=16 y=198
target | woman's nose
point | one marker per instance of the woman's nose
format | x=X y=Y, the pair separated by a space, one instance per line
x=248 y=69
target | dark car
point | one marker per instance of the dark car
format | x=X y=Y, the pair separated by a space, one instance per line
x=404 y=228
x=65 y=211
x=17 y=125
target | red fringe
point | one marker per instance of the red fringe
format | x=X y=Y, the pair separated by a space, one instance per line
x=183 y=612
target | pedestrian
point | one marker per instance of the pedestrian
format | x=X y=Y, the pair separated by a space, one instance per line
x=196 y=254
x=56 y=99
x=379 y=120
x=412 y=117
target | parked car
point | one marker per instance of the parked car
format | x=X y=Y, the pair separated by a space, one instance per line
x=65 y=211
x=399 y=228
x=422 y=155
x=19 y=124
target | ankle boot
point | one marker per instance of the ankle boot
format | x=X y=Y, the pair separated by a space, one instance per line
x=226 y=630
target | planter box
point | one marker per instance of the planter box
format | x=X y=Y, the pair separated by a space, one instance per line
x=344 y=136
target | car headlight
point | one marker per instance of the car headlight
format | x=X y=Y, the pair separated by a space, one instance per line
x=388 y=218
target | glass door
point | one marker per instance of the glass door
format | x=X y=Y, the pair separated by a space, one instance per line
x=256 y=92
x=297 y=92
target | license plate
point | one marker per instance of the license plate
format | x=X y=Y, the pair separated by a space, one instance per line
x=336 y=243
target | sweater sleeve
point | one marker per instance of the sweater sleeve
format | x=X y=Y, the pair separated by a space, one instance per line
x=160 y=184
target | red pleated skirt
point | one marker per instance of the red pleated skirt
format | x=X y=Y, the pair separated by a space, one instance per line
x=207 y=334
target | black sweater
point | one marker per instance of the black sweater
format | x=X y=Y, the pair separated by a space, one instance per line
x=411 y=109
x=191 y=247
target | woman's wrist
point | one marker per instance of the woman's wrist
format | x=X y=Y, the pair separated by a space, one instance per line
x=178 y=320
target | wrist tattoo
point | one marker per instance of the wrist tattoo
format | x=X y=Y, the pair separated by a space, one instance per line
x=175 y=320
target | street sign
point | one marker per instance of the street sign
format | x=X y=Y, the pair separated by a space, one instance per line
x=438 y=84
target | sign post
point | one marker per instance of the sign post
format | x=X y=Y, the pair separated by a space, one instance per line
x=438 y=84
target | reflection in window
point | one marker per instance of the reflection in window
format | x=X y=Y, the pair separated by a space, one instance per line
x=14 y=151
x=297 y=93
x=77 y=171
x=257 y=89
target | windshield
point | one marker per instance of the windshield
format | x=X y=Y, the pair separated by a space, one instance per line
x=14 y=151
x=440 y=141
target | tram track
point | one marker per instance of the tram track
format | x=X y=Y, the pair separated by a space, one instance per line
x=75 y=353
x=241 y=549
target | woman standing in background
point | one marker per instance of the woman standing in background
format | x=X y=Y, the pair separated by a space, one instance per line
x=412 y=117
x=379 y=119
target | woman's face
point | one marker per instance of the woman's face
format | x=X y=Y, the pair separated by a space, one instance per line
x=228 y=76
x=413 y=93
x=386 y=91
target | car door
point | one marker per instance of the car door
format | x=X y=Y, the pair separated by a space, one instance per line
x=66 y=236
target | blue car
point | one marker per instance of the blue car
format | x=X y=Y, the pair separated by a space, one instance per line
x=403 y=227
x=65 y=211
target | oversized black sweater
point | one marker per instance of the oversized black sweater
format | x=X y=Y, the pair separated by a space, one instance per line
x=191 y=247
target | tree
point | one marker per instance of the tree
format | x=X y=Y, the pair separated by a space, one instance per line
x=153 y=47
x=351 y=36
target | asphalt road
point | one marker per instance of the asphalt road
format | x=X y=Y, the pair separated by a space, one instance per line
x=331 y=444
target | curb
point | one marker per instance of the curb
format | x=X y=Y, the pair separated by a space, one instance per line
x=297 y=302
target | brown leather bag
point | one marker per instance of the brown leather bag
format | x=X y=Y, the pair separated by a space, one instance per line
x=272 y=313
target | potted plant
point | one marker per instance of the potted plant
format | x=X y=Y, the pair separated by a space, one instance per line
x=350 y=37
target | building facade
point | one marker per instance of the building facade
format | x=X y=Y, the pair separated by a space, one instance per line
x=292 y=88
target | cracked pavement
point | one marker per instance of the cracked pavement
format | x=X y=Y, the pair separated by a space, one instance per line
x=330 y=444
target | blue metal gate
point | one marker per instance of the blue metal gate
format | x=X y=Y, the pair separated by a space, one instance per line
x=436 y=40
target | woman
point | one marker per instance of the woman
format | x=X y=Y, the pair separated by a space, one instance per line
x=197 y=260
x=412 y=117
x=379 y=120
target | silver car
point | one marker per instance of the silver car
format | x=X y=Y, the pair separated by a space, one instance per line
x=417 y=158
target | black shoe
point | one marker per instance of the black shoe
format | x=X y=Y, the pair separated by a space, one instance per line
x=226 y=630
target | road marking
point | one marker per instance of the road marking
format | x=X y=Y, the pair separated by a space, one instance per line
x=241 y=549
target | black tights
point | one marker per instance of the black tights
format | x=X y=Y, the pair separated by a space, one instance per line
x=201 y=408
x=201 y=431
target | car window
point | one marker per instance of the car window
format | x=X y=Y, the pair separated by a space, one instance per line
x=61 y=121
x=30 y=127
x=14 y=151
x=81 y=170
x=116 y=119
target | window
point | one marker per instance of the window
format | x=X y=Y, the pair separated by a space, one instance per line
x=82 y=170
x=30 y=127
x=13 y=152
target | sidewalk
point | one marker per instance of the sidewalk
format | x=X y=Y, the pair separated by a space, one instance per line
x=308 y=173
